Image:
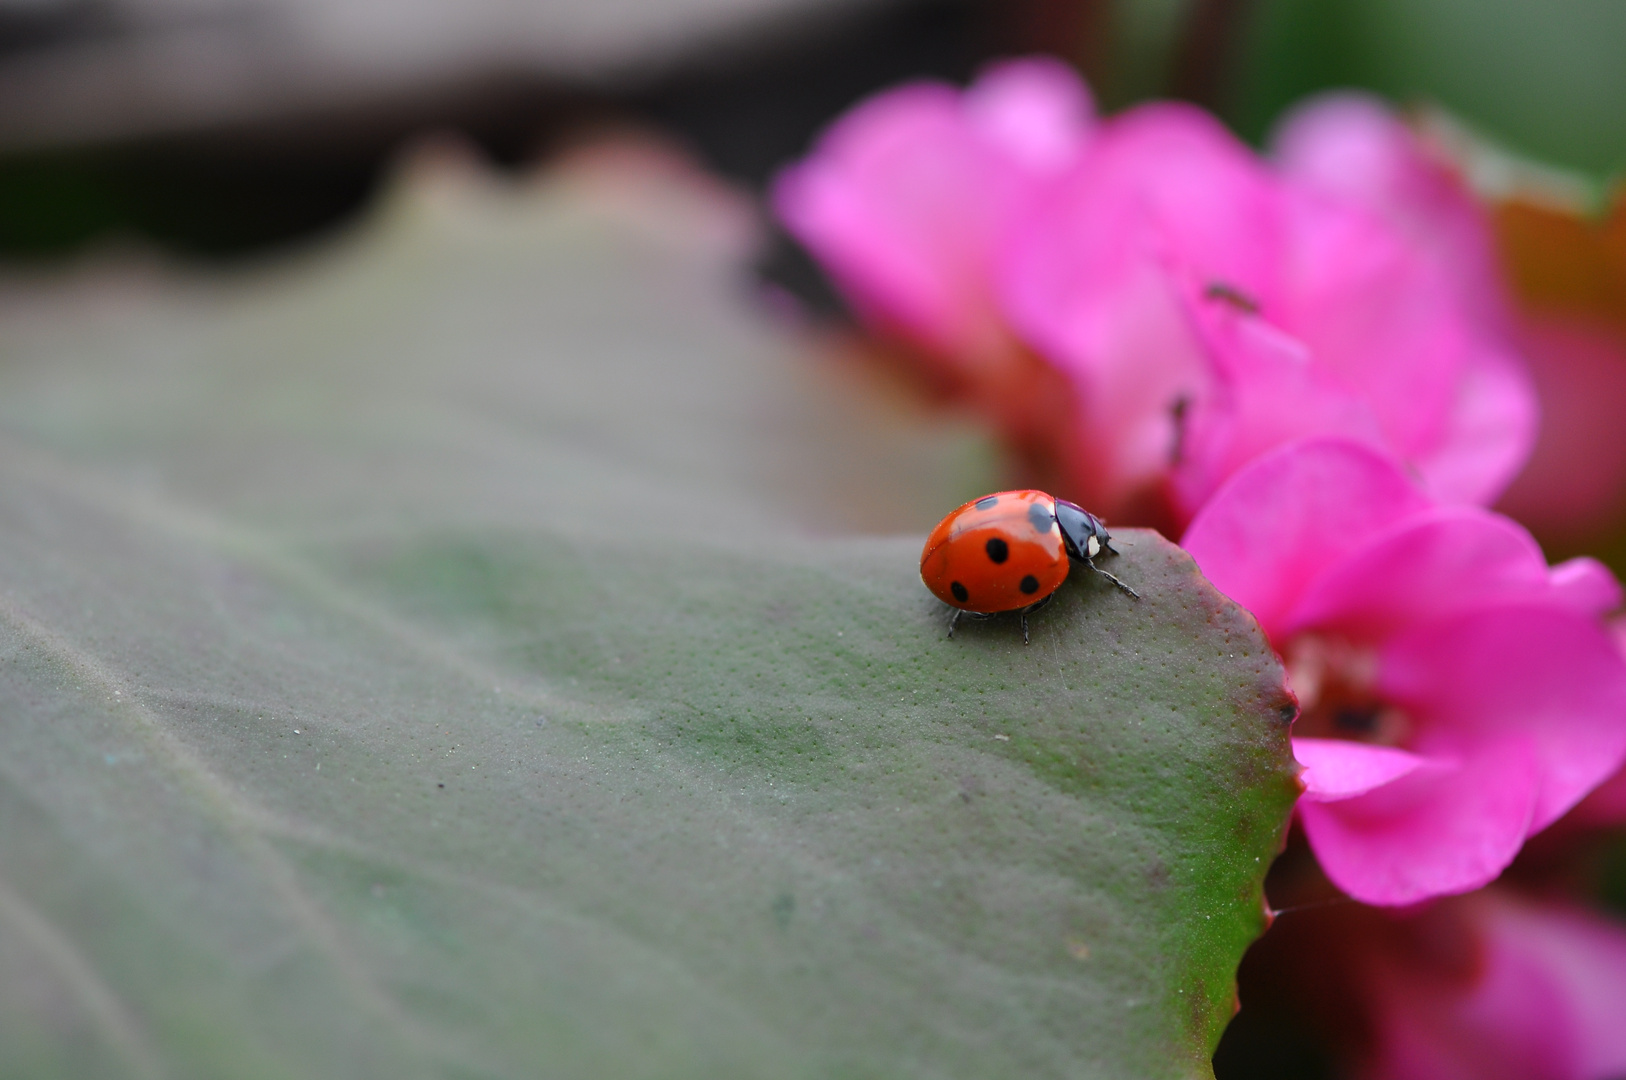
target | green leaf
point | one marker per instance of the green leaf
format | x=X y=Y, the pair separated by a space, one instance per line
x=1545 y=79
x=454 y=654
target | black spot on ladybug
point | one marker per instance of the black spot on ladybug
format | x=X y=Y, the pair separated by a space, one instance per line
x=997 y=549
x=959 y=591
x=987 y=502
x=1040 y=517
x=1030 y=585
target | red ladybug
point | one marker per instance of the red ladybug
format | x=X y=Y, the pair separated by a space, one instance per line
x=1010 y=551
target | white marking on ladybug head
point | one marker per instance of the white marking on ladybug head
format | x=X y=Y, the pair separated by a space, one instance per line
x=1093 y=546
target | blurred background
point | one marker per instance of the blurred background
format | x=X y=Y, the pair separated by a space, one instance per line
x=220 y=132
x=221 y=128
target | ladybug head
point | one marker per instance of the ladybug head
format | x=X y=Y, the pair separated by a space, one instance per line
x=1081 y=531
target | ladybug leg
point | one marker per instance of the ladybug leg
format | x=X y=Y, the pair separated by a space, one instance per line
x=1091 y=564
x=958 y=612
x=1030 y=609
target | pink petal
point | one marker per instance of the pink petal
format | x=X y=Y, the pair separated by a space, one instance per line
x=1499 y=669
x=1429 y=566
x=1335 y=769
x=1348 y=143
x=1354 y=146
x=1441 y=562
x=1543 y=678
x=1586 y=586
x=1375 y=309
x=1134 y=356
x=1438 y=830
x=1561 y=972
x=1092 y=281
x=1276 y=525
x=1161 y=184
x=1037 y=110
x=1458 y=405
x=1488 y=431
x=1200 y=187
x=1269 y=391
x=1544 y=1000
x=902 y=207
x=906 y=199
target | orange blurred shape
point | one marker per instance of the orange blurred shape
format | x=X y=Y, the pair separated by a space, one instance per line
x=1563 y=262
x=1567 y=270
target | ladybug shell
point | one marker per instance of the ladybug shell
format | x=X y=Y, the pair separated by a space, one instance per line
x=998 y=553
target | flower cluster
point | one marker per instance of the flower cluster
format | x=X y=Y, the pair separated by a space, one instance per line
x=1305 y=366
x=1456 y=695
x=1492 y=985
x=1201 y=306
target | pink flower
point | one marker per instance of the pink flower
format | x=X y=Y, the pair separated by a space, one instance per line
x=1195 y=306
x=1457 y=695
x=1537 y=992
x=1209 y=308
x=1487 y=986
x=907 y=199
x=1353 y=146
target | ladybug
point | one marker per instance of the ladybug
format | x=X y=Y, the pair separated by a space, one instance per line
x=1010 y=551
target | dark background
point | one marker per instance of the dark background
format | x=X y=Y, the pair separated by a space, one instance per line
x=81 y=161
